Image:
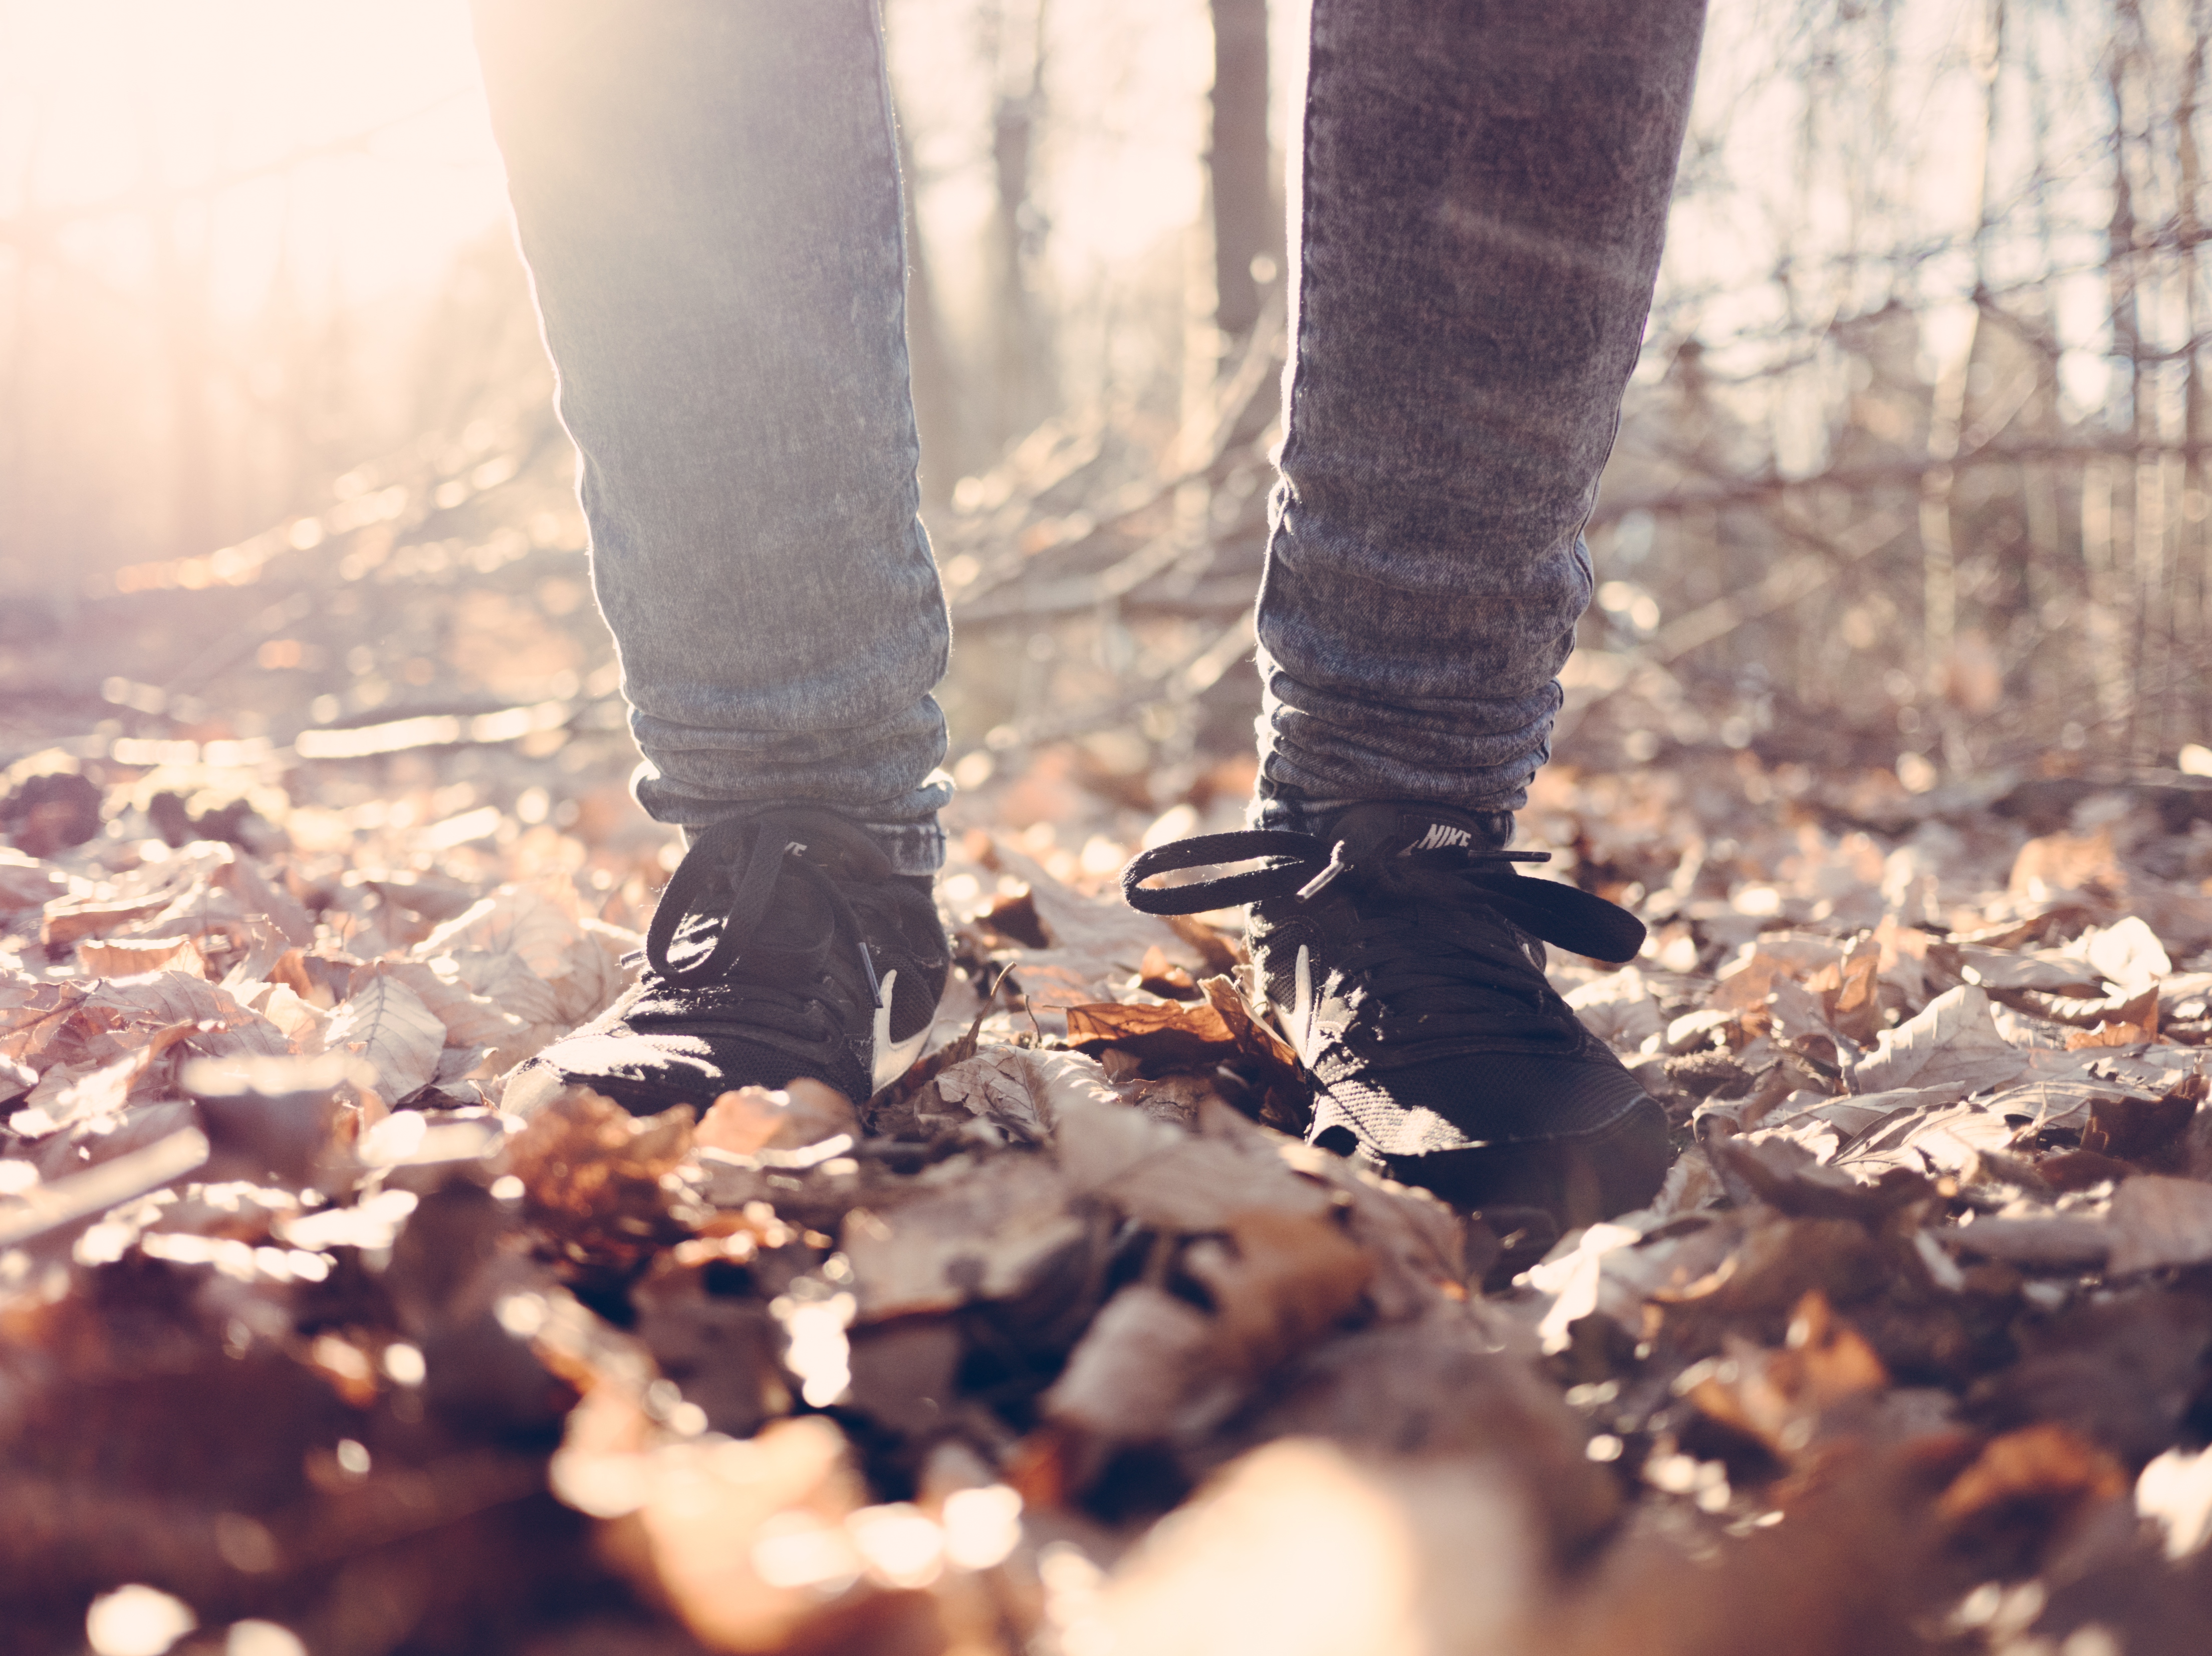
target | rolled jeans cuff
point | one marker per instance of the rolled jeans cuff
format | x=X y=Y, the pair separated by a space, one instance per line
x=906 y=828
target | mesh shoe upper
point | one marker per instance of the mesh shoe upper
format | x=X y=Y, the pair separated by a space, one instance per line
x=783 y=947
x=1401 y=953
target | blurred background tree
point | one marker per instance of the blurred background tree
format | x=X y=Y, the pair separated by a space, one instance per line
x=1912 y=473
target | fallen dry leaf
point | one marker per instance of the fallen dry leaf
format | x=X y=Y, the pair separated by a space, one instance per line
x=1020 y=1091
x=470 y=1019
x=1780 y=1397
x=2039 y=1462
x=2160 y=1221
x=739 y=1538
x=385 y=1023
x=28 y=883
x=1173 y=1036
x=1952 y=1041
x=590 y=1165
x=131 y=958
x=1336 y=1554
x=755 y=1118
x=990 y=1232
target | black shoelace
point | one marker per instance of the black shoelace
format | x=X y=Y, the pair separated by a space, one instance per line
x=1430 y=937
x=778 y=933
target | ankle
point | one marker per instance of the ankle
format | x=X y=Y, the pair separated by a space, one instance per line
x=1281 y=806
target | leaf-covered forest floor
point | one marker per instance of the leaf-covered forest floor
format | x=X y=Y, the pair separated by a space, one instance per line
x=1065 y=1342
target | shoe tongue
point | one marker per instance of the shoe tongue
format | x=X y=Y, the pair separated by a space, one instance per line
x=1399 y=829
x=831 y=843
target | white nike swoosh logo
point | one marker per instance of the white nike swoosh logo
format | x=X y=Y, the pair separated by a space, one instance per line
x=1302 y=1006
x=891 y=1062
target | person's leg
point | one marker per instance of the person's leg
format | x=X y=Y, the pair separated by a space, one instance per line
x=707 y=193
x=1483 y=197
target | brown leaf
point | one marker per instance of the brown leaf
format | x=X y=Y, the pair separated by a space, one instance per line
x=1217 y=953
x=96 y=1189
x=2109 y=1034
x=2134 y=1007
x=1023 y=1091
x=1416 y=1243
x=28 y=883
x=1168 y=1180
x=66 y=922
x=990 y=1236
x=2160 y=1221
x=2037 y=1464
x=754 y=1118
x=295 y=969
x=1619 y=1008
x=1745 y=982
x=104 y=1090
x=1108 y=936
x=1779 y=1396
x=280 y=1112
x=386 y=1023
x=2005 y=972
x=89 y=1024
x=170 y=997
x=302 y=1023
x=1157 y=975
x=1785 y=1176
x=1153 y=1367
x=1952 y=1039
x=698 y=1526
x=1014 y=916
x=1170 y=1036
x=1847 y=989
x=1709 y=1074
x=593 y=1167
x=1798 y=1020
x=537 y=925
x=1253 y=1038
x=132 y=958
x=2059 y=867
x=1337 y=1552
x=1145 y=1361
x=470 y=1020
x=723 y=1349
x=2139 y=1129
x=2079 y=1170
x=258 y=896
x=594 y=979
x=1278 y=1283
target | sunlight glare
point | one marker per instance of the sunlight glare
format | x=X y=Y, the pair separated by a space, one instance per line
x=343 y=143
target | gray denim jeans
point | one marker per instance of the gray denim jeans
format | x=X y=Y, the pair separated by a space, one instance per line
x=707 y=193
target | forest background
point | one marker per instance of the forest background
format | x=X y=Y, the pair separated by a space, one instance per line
x=1912 y=474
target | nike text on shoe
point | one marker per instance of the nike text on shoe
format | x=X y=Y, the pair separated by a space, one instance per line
x=783 y=947
x=1404 y=957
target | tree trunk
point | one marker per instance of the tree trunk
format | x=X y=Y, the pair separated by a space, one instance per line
x=929 y=359
x=1021 y=372
x=1247 y=227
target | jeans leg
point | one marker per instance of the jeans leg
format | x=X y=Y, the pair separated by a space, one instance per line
x=707 y=193
x=1484 y=195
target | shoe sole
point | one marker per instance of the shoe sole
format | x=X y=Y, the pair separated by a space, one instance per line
x=1578 y=1181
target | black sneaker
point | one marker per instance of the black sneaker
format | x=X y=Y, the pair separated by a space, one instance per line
x=783 y=947
x=1400 y=954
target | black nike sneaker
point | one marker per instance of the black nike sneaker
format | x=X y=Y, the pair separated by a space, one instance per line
x=1404 y=957
x=784 y=947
